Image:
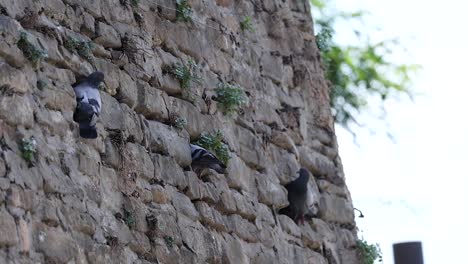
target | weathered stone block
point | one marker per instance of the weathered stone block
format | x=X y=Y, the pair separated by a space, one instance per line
x=111 y=113
x=234 y=252
x=54 y=121
x=239 y=175
x=131 y=121
x=271 y=193
x=285 y=164
x=211 y=216
x=336 y=209
x=310 y=238
x=183 y=204
x=2 y=168
x=161 y=138
x=111 y=196
x=107 y=36
x=140 y=243
x=127 y=91
x=317 y=163
x=78 y=221
x=159 y=194
x=18 y=197
x=243 y=228
x=13 y=80
x=17 y=110
x=194 y=186
x=250 y=148
x=151 y=103
x=47 y=211
x=166 y=169
x=282 y=139
x=56 y=245
x=25 y=236
x=272 y=67
x=142 y=160
x=9 y=235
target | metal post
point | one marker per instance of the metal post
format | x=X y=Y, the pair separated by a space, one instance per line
x=408 y=253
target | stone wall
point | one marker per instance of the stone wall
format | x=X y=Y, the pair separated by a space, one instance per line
x=127 y=197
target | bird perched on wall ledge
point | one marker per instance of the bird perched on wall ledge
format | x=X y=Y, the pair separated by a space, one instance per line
x=297 y=197
x=202 y=159
x=88 y=104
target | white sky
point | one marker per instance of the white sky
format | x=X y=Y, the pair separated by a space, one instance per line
x=416 y=188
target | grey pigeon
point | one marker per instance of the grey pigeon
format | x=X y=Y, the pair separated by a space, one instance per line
x=297 y=197
x=202 y=158
x=88 y=105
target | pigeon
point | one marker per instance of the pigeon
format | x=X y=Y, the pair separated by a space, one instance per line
x=202 y=158
x=88 y=105
x=297 y=197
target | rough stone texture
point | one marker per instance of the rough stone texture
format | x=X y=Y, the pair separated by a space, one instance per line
x=128 y=196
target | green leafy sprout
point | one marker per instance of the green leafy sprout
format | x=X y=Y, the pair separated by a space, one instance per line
x=80 y=47
x=134 y=2
x=180 y=123
x=28 y=149
x=357 y=73
x=176 y=121
x=31 y=52
x=186 y=74
x=214 y=143
x=169 y=241
x=183 y=11
x=246 y=24
x=230 y=97
x=368 y=253
x=129 y=219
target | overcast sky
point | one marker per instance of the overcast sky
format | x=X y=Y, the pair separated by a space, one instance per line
x=417 y=187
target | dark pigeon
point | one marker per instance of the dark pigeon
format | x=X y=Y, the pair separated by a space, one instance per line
x=202 y=158
x=88 y=104
x=297 y=196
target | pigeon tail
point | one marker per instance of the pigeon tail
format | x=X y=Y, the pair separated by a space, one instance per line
x=87 y=131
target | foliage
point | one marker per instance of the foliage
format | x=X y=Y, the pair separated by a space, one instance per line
x=368 y=253
x=214 y=143
x=80 y=47
x=41 y=84
x=129 y=219
x=186 y=74
x=28 y=150
x=230 y=97
x=180 y=123
x=31 y=52
x=134 y=2
x=357 y=73
x=169 y=241
x=183 y=11
x=176 y=121
x=246 y=24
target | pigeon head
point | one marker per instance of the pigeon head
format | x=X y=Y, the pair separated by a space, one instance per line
x=95 y=78
x=304 y=175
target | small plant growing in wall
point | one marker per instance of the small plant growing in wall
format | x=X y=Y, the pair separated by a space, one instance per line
x=176 y=121
x=80 y=47
x=246 y=24
x=129 y=219
x=230 y=97
x=28 y=150
x=169 y=241
x=183 y=11
x=368 y=253
x=31 y=52
x=214 y=143
x=186 y=74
